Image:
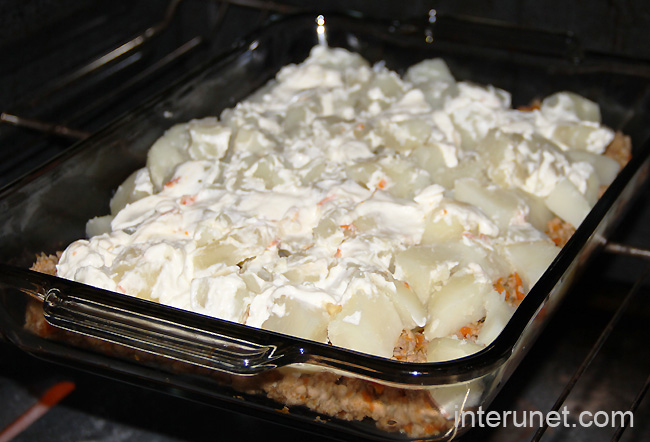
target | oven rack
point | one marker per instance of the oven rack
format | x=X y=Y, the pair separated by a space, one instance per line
x=640 y=289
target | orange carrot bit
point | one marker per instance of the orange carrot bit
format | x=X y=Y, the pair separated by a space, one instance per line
x=338 y=253
x=498 y=286
x=406 y=284
x=326 y=199
x=419 y=340
x=171 y=182
x=53 y=396
x=557 y=241
x=430 y=429
x=465 y=331
x=382 y=183
x=349 y=228
x=517 y=279
x=187 y=199
x=369 y=398
x=520 y=295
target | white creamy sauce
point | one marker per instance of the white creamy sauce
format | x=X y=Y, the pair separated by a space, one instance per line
x=313 y=191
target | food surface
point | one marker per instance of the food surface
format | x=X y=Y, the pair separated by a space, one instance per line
x=404 y=217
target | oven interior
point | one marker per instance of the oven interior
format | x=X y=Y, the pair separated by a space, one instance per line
x=70 y=68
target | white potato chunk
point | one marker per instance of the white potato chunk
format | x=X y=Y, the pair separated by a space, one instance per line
x=457 y=303
x=538 y=214
x=422 y=267
x=98 y=225
x=135 y=187
x=566 y=201
x=531 y=259
x=367 y=323
x=294 y=317
x=583 y=136
x=209 y=139
x=250 y=139
x=230 y=250
x=499 y=204
x=606 y=168
x=440 y=228
x=409 y=307
x=222 y=296
x=562 y=104
x=407 y=134
x=448 y=349
x=427 y=71
x=497 y=314
x=452 y=398
x=404 y=181
x=167 y=152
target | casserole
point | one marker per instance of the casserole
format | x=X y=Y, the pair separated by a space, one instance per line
x=214 y=359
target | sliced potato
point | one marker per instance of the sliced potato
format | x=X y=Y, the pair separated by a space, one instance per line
x=566 y=201
x=298 y=318
x=447 y=349
x=531 y=259
x=560 y=104
x=369 y=323
x=422 y=267
x=209 y=139
x=499 y=204
x=222 y=296
x=457 y=303
x=606 y=168
x=136 y=186
x=497 y=314
x=167 y=152
x=98 y=225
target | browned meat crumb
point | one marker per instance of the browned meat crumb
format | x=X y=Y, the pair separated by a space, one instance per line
x=512 y=287
x=412 y=412
x=559 y=231
x=471 y=330
x=411 y=347
x=46 y=263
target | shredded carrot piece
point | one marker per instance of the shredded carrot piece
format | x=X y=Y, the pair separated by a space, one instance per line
x=419 y=340
x=338 y=253
x=188 y=199
x=498 y=286
x=171 y=182
x=326 y=199
x=430 y=428
x=465 y=331
x=382 y=184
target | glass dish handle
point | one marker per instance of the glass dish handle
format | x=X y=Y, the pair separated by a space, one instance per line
x=171 y=339
x=150 y=327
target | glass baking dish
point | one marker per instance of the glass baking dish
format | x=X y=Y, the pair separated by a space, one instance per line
x=243 y=368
